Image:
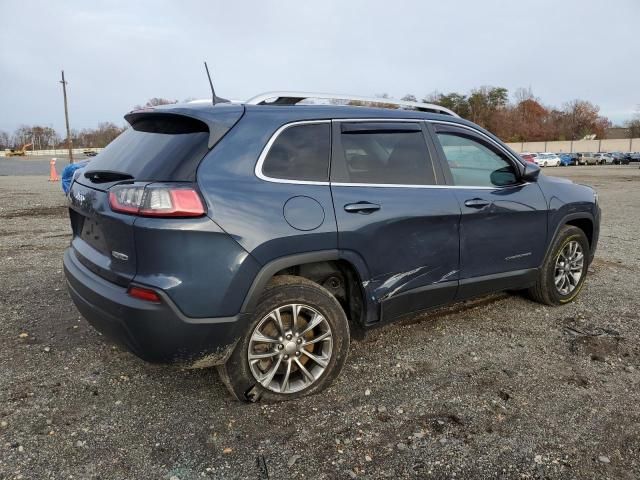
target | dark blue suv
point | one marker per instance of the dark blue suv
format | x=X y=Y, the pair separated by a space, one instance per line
x=259 y=237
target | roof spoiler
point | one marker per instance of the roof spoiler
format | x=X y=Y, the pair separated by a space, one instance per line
x=217 y=121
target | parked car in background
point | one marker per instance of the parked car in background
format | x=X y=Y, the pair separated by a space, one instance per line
x=257 y=236
x=634 y=157
x=626 y=158
x=528 y=157
x=567 y=159
x=547 y=160
x=587 y=158
x=618 y=158
x=603 y=159
x=592 y=159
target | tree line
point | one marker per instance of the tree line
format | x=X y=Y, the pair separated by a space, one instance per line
x=522 y=118
x=45 y=138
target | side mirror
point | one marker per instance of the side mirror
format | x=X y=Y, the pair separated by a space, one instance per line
x=503 y=177
x=531 y=172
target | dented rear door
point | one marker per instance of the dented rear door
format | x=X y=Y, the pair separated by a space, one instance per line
x=391 y=211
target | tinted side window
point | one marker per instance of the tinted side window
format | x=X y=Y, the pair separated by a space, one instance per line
x=384 y=156
x=473 y=163
x=300 y=152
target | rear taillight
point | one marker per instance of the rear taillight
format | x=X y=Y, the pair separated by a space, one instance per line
x=156 y=201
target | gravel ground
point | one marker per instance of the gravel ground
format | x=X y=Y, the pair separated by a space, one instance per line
x=34 y=165
x=495 y=388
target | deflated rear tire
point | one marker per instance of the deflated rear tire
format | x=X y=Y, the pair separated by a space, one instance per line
x=296 y=344
x=564 y=270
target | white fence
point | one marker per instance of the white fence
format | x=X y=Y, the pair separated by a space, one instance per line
x=606 y=145
x=54 y=152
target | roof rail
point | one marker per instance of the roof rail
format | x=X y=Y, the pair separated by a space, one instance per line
x=292 y=98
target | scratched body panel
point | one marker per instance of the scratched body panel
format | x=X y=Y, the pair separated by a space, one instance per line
x=410 y=243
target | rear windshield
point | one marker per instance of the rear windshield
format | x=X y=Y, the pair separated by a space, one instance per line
x=167 y=148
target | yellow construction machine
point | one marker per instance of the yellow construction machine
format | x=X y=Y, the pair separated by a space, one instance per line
x=18 y=152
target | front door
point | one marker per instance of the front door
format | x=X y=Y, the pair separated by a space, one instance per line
x=390 y=211
x=503 y=228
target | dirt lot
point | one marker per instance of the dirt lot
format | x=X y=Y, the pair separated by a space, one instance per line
x=496 y=388
x=34 y=165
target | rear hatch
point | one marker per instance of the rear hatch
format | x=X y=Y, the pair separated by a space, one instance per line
x=160 y=146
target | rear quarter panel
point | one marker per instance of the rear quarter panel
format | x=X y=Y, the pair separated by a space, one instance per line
x=250 y=209
x=202 y=269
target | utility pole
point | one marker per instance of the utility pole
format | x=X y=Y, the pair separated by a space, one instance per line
x=66 y=118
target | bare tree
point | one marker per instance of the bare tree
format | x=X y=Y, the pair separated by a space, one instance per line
x=154 y=102
x=634 y=128
x=380 y=104
x=634 y=124
x=98 y=137
x=584 y=119
x=4 y=140
x=522 y=94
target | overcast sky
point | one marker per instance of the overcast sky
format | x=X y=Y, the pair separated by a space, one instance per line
x=117 y=54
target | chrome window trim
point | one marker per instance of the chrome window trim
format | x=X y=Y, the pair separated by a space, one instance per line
x=267 y=147
x=402 y=185
x=263 y=155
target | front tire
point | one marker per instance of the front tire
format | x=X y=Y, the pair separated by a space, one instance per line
x=564 y=270
x=296 y=344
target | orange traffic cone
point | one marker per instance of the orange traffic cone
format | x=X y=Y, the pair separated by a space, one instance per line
x=53 y=175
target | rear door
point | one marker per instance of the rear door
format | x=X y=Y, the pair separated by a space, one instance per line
x=503 y=228
x=390 y=211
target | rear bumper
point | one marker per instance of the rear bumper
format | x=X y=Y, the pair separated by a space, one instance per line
x=155 y=332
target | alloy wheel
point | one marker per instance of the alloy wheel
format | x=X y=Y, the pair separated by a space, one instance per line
x=569 y=267
x=290 y=348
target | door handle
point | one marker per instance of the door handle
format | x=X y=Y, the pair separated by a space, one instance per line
x=476 y=203
x=363 y=208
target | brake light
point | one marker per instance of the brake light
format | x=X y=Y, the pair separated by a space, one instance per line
x=156 y=201
x=144 y=294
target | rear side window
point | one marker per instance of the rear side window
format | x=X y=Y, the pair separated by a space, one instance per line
x=300 y=152
x=379 y=153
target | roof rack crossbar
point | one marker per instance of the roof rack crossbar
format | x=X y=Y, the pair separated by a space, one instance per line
x=292 y=98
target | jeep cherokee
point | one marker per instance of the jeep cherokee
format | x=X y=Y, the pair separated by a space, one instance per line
x=258 y=236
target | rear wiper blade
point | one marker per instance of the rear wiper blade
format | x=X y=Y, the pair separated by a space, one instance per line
x=106 y=176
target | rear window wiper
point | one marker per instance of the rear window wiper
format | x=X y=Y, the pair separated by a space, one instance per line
x=105 y=176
